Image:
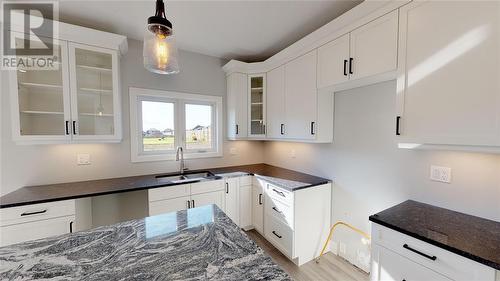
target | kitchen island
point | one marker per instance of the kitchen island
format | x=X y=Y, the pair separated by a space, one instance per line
x=195 y=244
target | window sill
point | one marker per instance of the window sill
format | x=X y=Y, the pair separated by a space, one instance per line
x=171 y=157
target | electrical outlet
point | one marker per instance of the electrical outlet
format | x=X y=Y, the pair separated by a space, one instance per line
x=293 y=153
x=441 y=174
x=83 y=159
x=233 y=151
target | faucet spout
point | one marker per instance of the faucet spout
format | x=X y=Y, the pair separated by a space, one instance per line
x=179 y=156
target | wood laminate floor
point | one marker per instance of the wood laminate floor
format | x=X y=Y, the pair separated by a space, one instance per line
x=330 y=268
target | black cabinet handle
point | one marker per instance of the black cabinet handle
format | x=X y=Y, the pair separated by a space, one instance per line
x=282 y=130
x=193 y=203
x=74 y=127
x=345 y=67
x=350 y=66
x=67 y=127
x=70 y=227
x=260 y=199
x=237 y=129
x=277 y=235
x=418 y=252
x=279 y=192
x=398 y=119
x=312 y=128
x=33 y=213
x=227 y=187
x=189 y=204
x=274 y=208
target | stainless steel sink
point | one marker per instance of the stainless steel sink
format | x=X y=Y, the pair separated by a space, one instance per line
x=184 y=178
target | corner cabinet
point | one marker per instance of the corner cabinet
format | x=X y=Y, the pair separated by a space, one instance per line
x=257 y=106
x=448 y=91
x=79 y=101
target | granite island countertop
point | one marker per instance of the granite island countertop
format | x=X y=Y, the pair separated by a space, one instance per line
x=288 y=179
x=196 y=244
x=472 y=237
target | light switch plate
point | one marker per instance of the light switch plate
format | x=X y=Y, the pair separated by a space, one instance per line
x=441 y=174
x=83 y=159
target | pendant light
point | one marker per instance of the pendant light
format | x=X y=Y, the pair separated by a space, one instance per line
x=160 y=51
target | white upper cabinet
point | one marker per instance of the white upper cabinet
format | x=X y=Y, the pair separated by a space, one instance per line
x=95 y=93
x=40 y=100
x=448 y=86
x=276 y=103
x=76 y=101
x=301 y=97
x=237 y=103
x=257 y=105
x=374 y=47
x=333 y=62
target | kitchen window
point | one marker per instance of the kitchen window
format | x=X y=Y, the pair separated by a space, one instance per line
x=161 y=121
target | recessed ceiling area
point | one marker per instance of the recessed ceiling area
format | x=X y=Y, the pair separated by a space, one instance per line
x=244 y=30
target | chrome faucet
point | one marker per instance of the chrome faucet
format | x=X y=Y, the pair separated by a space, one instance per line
x=179 y=156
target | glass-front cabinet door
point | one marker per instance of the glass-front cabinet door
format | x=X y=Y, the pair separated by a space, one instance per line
x=257 y=107
x=40 y=95
x=94 y=93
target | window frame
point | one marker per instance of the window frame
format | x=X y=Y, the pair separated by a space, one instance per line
x=138 y=95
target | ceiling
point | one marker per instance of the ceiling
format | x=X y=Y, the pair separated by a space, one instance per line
x=244 y=30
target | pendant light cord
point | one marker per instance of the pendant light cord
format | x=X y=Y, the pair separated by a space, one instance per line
x=160 y=9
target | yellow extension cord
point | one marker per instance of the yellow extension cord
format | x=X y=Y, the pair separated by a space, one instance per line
x=364 y=234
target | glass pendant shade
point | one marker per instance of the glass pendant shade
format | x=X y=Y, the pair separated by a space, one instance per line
x=160 y=50
x=160 y=53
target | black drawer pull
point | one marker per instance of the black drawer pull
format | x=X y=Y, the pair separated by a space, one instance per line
x=193 y=203
x=282 y=129
x=70 y=227
x=274 y=208
x=189 y=204
x=420 y=253
x=237 y=129
x=74 y=127
x=350 y=66
x=398 y=120
x=312 y=128
x=345 y=67
x=279 y=192
x=260 y=199
x=33 y=213
x=227 y=187
x=277 y=235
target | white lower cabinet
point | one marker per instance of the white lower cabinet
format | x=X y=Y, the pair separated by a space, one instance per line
x=25 y=223
x=180 y=197
x=245 y=202
x=231 y=197
x=258 y=206
x=396 y=256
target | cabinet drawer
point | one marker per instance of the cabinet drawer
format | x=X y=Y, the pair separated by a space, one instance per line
x=208 y=186
x=279 y=234
x=168 y=205
x=169 y=192
x=447 y=263
x=281 y=211
x=279 y=194
x=388 y=266
x=18 y=233
x=36 y=212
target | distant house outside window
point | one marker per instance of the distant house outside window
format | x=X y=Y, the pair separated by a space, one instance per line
x=156 y=117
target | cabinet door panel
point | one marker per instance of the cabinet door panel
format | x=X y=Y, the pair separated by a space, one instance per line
x=301 y=96
x=231 y=199
x=169 y=205
x=40 y=97
x=333 y=62
x=374 y=47
x=245 y=202
x=276 y=103
x=209 y=198
x=257 y=105
x=17 y=233
x=237 y=104
x=449 y=91
x=95 y=93
x=258 y=208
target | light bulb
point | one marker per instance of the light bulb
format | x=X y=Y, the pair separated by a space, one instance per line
x=161 y=53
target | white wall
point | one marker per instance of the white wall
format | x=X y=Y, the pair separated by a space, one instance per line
x=372 y=174
x=46 y=164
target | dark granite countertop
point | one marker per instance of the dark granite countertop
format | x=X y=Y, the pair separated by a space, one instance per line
x=287 y=179
x=196 y=244
x=472 y=237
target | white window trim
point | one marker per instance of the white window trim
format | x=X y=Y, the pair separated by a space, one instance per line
x=139 y=94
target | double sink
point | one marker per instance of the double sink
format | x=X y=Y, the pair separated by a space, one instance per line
x=186 y=177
